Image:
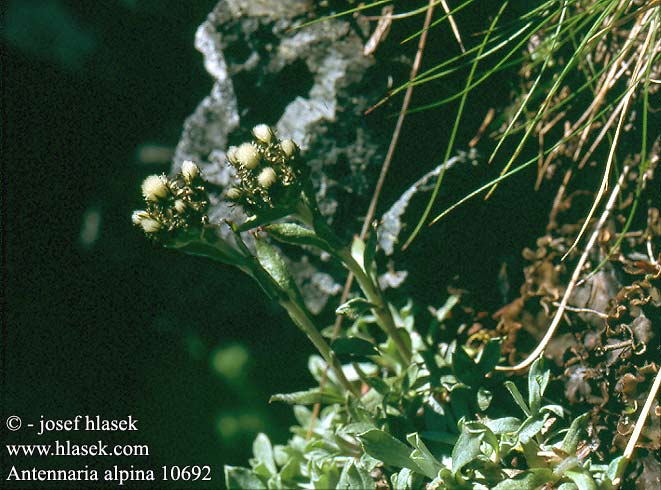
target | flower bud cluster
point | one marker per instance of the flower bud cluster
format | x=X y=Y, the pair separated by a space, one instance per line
x=269 y=171
x=172 y=204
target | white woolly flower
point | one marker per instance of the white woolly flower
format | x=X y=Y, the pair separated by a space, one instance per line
x=189 y=171
x=247 y=155
x=267 y=177
x=231 y=155
x=138 y=216
x=263 y=133
x=180 y=206
x=288 y=147
x=154 y=188
x=150 y=225
x=233 y=194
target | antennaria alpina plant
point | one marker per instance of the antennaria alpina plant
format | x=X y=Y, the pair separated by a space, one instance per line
x=438 y=402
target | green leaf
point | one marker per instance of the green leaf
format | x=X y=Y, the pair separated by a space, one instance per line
x=538 y=379
x=423 y=457
x=354 y=346
x=386 y=448
x=574 y=435
x=263 y=452
x=355 y=477
x=402 y=480
x=528 y=480
x=466 y=449
x=505 y=425
x=530 y=428
x=275 y=266
x=354 y=308
x=237 y=478
x=373 y=382
x=518 y=398
x=487 y=435
x=358 y=252
x=582 y=479
x=309 y=397
x=370 y=249
x=356 y=428
x=614 y=468
x=296 y=235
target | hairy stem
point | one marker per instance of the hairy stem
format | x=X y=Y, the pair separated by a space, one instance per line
x=381 y=309
x=302 y=319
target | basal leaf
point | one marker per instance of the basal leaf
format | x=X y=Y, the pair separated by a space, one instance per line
x=518 y=398
x=574 y=435
x=505 y=425
x=466 y=449
x=423 y=457
x=528 y=480
x=582 y=479
x=354 y=477
x=386 y=448
x=238 y=478
x=402 y=480
x=263 y=452
x=538 y=379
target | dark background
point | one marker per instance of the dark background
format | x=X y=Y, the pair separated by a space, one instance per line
x=102 y=322
x=113 y=325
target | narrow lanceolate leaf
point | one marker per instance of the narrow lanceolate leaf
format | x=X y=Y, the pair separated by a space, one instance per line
x=358 y=252
x=296 y=235
x=370 y=248
x=538 y=379
x=574 y=434
x=386 y=448
x=518 y=398
x=275 y=266
x=309 y=397
x=423 y=457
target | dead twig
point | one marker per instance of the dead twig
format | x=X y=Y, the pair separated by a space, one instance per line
x=572 y=282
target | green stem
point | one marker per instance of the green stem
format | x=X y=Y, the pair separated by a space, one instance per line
x=381 y=309
x=309 y=213
x=302 y=319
